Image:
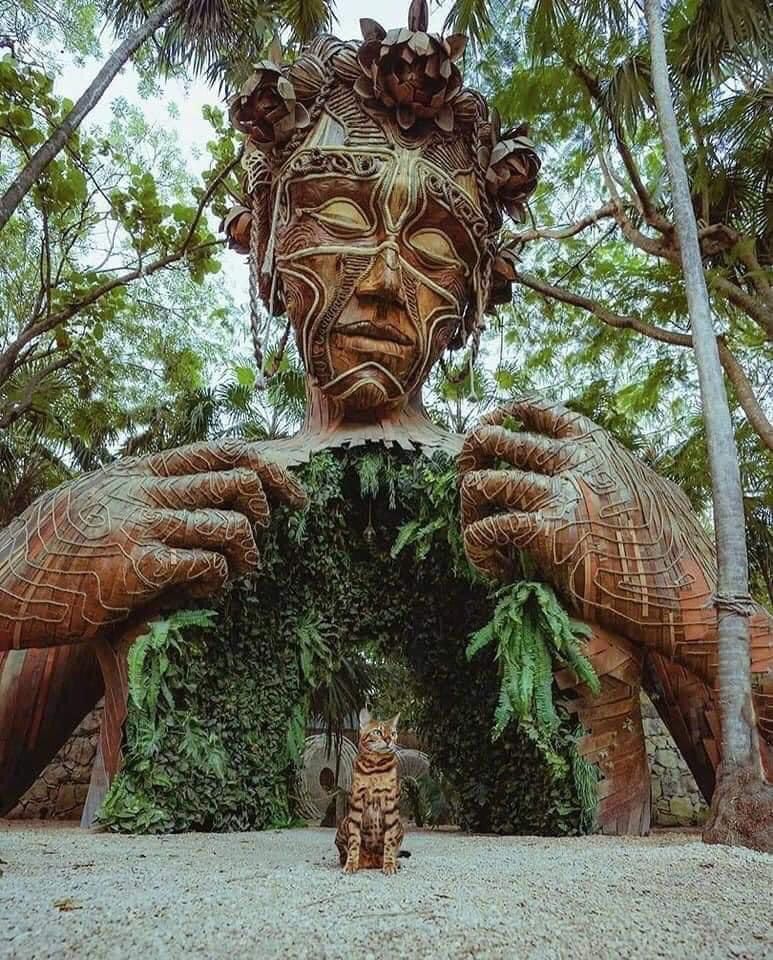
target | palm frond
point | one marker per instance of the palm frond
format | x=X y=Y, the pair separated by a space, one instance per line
x=716 y=32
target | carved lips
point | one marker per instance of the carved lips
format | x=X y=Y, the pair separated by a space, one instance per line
x=368 y=337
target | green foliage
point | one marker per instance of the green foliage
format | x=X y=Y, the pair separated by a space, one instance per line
x=423 y=799
x=212 y=697
x=126 y=366
x=529 y=630
x=331 y=613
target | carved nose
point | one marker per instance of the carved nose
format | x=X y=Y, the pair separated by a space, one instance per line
x=383 y=280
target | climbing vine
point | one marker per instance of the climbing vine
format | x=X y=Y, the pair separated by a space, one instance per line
x=373 y=571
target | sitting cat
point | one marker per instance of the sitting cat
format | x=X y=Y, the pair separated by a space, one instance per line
x=369 y=837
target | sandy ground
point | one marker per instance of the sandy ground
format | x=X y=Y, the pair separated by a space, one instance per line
x=70 y=893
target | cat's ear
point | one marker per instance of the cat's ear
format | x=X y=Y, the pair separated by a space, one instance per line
x=393 y=722
x=364 y=717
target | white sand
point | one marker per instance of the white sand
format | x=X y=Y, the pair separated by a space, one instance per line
x=281 y=894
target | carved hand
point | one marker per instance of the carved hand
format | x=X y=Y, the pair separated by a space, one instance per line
x=92 y=551
x=618 y=541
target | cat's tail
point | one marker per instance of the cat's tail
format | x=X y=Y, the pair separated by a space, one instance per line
x=404 y=853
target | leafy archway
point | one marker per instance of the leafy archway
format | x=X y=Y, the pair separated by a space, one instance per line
x=375 y=568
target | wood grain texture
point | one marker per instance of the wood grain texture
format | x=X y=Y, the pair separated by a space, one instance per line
x=688 y=708
x=374 y=222
x=614 y=739
x=44 y=695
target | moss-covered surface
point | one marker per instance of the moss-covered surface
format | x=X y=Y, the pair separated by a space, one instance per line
x=375 y=564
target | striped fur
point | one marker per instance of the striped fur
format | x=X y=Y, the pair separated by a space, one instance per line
x=369 y=837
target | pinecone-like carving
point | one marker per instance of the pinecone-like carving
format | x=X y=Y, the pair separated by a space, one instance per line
x=267 y=107
x=513 y=171
x=410 y=71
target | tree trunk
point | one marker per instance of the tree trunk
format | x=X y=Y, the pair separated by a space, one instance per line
x=742 y=808
x=14 y=195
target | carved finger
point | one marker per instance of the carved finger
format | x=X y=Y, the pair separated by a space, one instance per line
x=543 y=416
x=485 y=492
x=239 y=489
x=225 y=455
x=280 y=485
x=488 y=543
x=200 y=572
x=487 y=445
x=224 y=531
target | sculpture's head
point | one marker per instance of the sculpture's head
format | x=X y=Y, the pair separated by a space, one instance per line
x=376 y=181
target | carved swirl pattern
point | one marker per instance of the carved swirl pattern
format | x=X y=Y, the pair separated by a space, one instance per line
x=87 y=554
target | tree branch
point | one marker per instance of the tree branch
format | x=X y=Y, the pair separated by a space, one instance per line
x=739 y=298
x=8 y=358
x=571 y=230
x=743 y=388
x=647 y=207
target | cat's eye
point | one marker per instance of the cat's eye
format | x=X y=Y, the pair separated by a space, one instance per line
x=434 y=248
x=342 y=215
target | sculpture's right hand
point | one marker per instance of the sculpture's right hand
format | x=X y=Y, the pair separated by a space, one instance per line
x=89 y=553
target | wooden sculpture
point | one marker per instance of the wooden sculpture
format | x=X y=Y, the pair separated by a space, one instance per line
x=375 y=185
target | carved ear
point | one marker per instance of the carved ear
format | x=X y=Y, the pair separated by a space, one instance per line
x=371 y=29
x=237 y=226
x=504 y=272
x=364 y=717
x=393 y=723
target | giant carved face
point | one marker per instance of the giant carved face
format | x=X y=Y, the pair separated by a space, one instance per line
x=376 y=183
x=376 y=249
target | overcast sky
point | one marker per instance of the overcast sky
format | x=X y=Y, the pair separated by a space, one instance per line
x=192 y=130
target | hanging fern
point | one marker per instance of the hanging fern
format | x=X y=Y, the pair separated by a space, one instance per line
x=530 y=629
x=145 y=685
x=376 y=471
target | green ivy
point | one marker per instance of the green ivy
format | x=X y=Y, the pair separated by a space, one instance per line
x=372 y=569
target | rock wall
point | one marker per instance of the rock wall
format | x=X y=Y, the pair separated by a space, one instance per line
x=676 y=800
x=60 y=791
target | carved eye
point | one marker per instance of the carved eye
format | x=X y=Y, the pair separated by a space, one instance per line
x=435 y=248
x=342 y=215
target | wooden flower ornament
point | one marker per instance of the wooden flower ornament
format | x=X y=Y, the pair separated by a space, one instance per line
x=513 y=170
x=267 y=108
x=410 y=71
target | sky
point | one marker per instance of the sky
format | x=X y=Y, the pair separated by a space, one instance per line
x=192 y=130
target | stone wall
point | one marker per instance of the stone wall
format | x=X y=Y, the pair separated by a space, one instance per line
x=676 y=800
x=60 y=791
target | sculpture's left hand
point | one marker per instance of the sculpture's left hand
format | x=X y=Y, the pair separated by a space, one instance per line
x=142 y=531
x=618 y=541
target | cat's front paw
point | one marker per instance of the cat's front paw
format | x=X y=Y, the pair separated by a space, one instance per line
x=351 y=867
x=390 y=869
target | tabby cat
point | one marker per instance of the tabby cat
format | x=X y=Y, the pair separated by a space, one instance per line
x=369 y=837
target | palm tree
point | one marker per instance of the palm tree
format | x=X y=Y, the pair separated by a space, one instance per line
x=743 y=802
x=196 y=33
x=741 y=791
